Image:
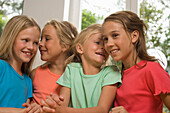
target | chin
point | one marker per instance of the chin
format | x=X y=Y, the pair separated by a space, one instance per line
x=26 y=61
x=116 y=59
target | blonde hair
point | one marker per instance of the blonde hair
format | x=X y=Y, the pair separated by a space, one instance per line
x=66 y=32
x=81 y=38
x=13 y=27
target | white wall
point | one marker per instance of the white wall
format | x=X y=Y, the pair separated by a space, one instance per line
x=44 y=10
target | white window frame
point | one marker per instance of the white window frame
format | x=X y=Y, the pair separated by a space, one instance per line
x=132 y=5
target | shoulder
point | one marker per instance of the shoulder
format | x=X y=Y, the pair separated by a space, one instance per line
x=154 y=69
x=2 y=62
x=32 y=74
x=153 y=66
x=111 y=68
x=74 y=65
x=72 y=69
x=44 y=65
x=4 y=65
x=112 y=71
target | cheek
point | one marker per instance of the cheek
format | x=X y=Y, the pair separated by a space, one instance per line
x=35 y=49
x=106 y=48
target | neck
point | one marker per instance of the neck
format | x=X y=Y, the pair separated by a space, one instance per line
x=90 y=69
x=57 y=67
x=17 y=66
x=131 y=60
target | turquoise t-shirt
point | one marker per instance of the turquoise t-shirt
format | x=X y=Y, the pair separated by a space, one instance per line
x=14 y=89
x=86 y=89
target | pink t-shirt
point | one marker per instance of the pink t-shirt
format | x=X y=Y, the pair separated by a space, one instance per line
x=141 y=87
x=44 y=83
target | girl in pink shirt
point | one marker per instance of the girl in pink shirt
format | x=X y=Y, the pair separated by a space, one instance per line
x=56 y=39
x=145 y=84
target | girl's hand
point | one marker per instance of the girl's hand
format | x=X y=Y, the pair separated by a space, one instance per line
x=48 y=105
x=26 y=105
x=34 y=108
x=56 y=98
x=119 y=109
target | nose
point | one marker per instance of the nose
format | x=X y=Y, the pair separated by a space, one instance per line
x=30 y=46
x=110 y=42
x=41 y=44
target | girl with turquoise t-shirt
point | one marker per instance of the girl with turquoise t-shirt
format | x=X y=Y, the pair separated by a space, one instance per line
x=87 y=84
x=18 y=47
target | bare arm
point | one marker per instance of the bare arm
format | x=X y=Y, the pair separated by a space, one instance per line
x=104 y=104
x=11 y=110
x=51 y=102
x=166 y=99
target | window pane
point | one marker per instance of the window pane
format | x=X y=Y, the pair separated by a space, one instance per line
x=101 y=9
x=156 y=14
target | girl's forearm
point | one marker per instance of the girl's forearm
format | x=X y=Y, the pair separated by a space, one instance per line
x=11 y=110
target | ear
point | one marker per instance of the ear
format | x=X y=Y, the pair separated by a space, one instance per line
x=65 y=47
x=135 y=36
x=79 y=48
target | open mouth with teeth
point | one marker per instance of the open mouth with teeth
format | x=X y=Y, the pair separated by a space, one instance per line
x=28 y=53
x=101 y=54
x=114 y=51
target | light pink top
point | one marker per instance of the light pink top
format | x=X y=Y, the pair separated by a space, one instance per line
x=44 y=83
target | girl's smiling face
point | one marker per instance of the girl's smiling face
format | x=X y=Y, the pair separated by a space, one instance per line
x=92 y=51
x=117 y=42
x=26 y=45
x=50 y=47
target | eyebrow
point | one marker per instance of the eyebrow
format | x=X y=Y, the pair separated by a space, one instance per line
x=111 y=32
x=45 y=35
x=115 y=31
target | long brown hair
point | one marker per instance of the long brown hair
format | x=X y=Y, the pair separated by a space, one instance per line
x=131 y=22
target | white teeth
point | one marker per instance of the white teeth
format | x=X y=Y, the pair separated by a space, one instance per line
x=114 y=51
x=28 y=53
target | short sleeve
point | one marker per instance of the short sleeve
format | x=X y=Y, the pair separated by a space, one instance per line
x=64 y=80
x=158 y=80
x=111 y=76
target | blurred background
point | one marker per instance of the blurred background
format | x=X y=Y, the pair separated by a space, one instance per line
x=82 y=13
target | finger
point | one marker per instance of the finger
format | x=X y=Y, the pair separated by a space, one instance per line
x=48 y=110
x=56 y=98
x=61 y=98
x=33 y=107
x=51 y=103
x=25 y=105
x=119 y=109
x=43 y=103
x=38 y=111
